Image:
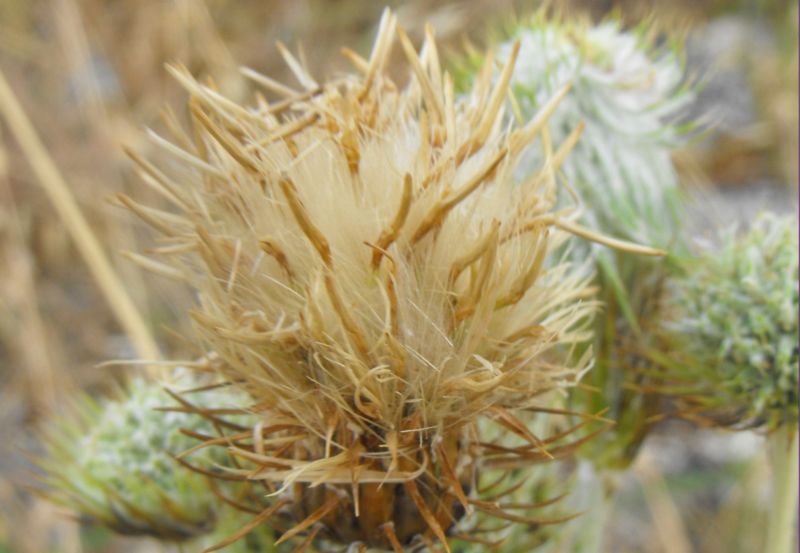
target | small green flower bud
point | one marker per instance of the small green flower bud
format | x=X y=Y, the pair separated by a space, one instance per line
x=737 y=325
x=112 y=463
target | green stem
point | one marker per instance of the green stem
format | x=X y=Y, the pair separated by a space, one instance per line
x=595 y=531
x=600 y=486
x=783 y=457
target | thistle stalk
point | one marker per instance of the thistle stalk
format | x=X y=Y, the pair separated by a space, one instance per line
x=600 y=491
x=782 y=448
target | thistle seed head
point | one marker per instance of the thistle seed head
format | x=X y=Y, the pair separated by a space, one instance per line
x=373 y=274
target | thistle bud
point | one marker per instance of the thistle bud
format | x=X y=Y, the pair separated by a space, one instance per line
x=112 y=464
x=627 y=92
x=735 y=330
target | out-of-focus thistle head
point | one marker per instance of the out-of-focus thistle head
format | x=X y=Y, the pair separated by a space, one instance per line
x=371 y=272
x=629 y=92
x=111 y=463
x=734 y=332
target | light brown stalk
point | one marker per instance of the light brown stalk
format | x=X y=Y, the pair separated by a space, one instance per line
x=66 y=206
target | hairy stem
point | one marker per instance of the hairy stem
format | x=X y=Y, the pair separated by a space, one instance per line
x=783 y=458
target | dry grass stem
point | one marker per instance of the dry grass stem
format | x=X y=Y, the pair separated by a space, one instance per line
x=85 y=240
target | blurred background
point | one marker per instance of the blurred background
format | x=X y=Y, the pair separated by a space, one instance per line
x=90 y=76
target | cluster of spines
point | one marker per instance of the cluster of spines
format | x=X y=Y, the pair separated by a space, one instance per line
x=309 y=438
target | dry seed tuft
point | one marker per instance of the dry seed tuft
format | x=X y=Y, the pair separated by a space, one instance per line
x=371 y=272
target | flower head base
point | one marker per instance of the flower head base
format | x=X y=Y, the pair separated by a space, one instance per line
x=736 y=330
x=371 y=272
x=113 y=466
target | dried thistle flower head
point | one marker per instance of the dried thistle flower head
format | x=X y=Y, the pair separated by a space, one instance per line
x=374 y=276
x=112 y=464
x=735 y=331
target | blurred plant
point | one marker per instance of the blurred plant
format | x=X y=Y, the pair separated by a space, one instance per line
x=111 y=462
x=628 y=91
x=750 y=50
x=774 y=75
x=735 y=328
x=732 y=349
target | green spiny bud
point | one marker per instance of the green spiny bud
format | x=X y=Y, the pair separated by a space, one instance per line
x=112 y=464
x=737 y=326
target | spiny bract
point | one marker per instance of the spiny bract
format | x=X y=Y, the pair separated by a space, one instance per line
x=373 y=274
